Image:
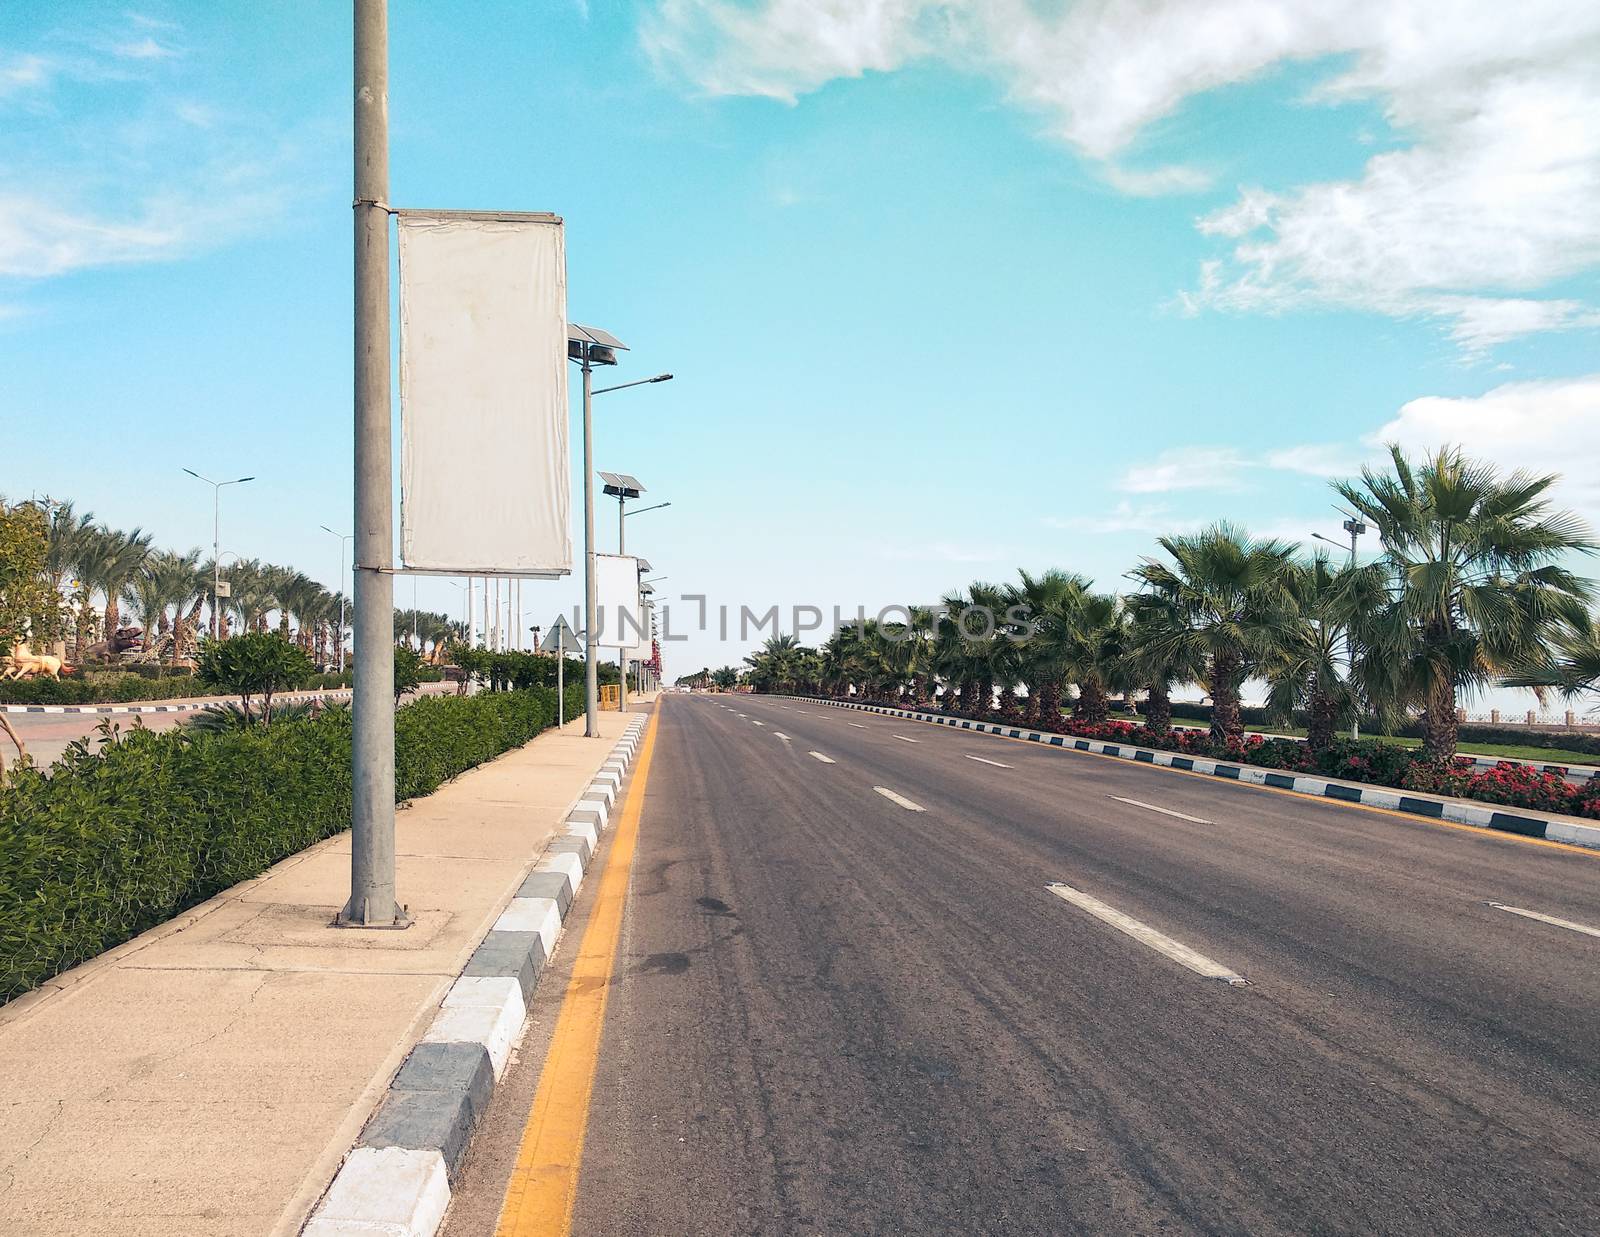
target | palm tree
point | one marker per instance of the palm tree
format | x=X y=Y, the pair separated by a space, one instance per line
x=1158 y=656
x=69 y=534
x=1227 y=591
x=1324 y=625
x=122 y=557
x=1474 y=582
x=251 y=596
x=1047 y=598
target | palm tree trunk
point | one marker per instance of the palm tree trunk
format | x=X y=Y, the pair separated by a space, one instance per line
x=1226 y=722
x=1008 y=702
x=969 y=698
x=1320 y=720
x=1049 y=705
x=985 y=698
x=1092 y=703
x=1158 y=709
x=113 y=617
x=1439 y=726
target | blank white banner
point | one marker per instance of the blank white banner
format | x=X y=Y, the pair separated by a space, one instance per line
x=484 y=468
x=619 y=618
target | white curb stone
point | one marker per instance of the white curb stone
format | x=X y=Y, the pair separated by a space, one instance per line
x=384 y=1192
x=494 y=1026
x=540 y=915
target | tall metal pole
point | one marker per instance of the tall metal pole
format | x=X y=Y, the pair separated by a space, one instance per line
x=1350 y=644
x=372 y=885
x=216 y=560
x=591 y=650
x=342 y=600
x=622 y=653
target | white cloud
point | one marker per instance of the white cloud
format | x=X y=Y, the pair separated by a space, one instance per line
x=143 y=49
x=1156 y=182
x=949 y=552
x=1489 y=199
x=1126 y=517
x=1226 y=468
x=23 y=72
x=1315 y=460
x=126 y=172
x=1187 y=468
x=40 y=239
x=1545 y=427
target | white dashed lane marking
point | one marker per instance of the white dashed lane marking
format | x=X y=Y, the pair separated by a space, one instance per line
x=1165 y=811
x=1146 y=935
x=827 y=760
x=984 y=760
x=1549 y=919
x=904 y=739
x=901 y=800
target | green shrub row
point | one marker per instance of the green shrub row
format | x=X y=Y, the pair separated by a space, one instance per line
x=125 y=834
x=121 y=686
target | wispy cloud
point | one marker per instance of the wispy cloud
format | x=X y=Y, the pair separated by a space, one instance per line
x=127 y=171
x=144 y=49
x=1158 y=182
x=1226 y=468
x=1126 y=517
x=949 y=552
x=1187 y=468
x=23 y=72
x=1489 y=201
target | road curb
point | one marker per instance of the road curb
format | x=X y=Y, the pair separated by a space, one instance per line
x=396 y=1180
x=1456 y=811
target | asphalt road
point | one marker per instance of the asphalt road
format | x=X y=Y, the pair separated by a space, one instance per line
x=836 y=1014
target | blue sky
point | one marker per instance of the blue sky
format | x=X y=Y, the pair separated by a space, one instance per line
x=948 y=289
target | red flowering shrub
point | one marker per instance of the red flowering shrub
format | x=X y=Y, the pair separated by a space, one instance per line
x=1508 y=783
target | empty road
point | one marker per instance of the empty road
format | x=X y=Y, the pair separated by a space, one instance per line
x=875 y=976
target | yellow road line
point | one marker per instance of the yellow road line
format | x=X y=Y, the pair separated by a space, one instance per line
x=544 y=1183
x=1482 y=831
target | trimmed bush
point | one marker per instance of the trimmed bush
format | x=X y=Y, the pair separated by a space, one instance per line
x=119 y=839
x=121 y=686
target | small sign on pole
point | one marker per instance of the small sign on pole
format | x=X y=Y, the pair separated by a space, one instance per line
x=560 y=640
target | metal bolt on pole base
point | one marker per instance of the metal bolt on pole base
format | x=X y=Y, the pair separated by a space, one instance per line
x=400 y=922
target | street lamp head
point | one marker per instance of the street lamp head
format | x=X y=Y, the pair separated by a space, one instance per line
x=661 y=378
x=240 y=480
x=194 y=474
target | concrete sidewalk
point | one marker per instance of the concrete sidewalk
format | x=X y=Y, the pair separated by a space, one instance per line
x=208 y=1076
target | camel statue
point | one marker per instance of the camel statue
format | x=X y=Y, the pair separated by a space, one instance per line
x=23 y=663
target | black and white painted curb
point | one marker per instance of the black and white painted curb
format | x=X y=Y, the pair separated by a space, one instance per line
x=396 y=1180
x=1557 y=829
x=185 y=707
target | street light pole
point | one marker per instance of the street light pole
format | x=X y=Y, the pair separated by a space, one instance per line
x=1355 y=528
x=372 y=901
x=216 y=544
x=590 y=347
x=591 y=647
x=343 y=537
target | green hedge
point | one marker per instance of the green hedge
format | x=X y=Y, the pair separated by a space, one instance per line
x=121 y=686
x=119 y=839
